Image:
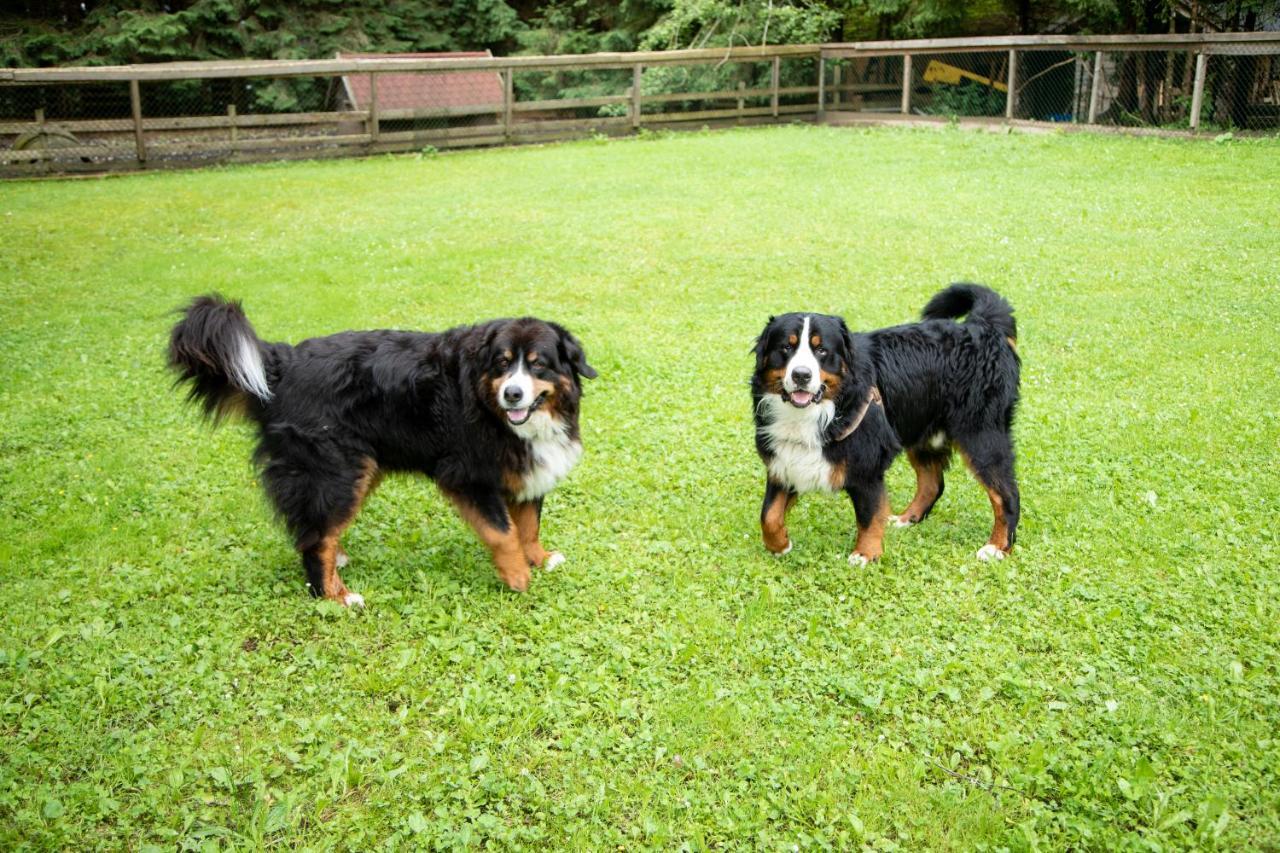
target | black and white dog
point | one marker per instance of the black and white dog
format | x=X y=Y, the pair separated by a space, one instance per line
x=489 y=412
x=833 y=409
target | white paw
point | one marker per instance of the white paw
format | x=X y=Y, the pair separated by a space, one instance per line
x=555 y=558
x=990 y=552
x=353 y=599
x=857 y=560
x=785 y=551
x=341 y=560
x=899 y=521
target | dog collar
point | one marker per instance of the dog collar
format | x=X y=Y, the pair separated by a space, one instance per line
x=873 y=396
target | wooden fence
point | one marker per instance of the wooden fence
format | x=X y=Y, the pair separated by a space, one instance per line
x=776 y=83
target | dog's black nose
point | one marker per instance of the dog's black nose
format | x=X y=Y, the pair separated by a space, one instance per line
x=801 y=376
x=512 y=394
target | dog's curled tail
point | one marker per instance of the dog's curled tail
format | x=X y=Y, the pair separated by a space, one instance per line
x=980 y=304
x=214 y=349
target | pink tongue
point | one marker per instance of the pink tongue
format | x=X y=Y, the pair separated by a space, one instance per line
x=517 y=415
x=801 y=398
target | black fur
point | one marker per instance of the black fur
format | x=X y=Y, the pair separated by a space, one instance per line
x=937 y=376
x=394 y=400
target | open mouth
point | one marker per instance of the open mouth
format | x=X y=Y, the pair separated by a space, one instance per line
x=801 y=399
x=516 y=417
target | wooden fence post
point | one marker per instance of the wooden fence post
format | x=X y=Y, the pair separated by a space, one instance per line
x=374 y=122
x=906 y=84
x=1197 y=92
x=135 y=101
x=231 y=122
x=822 y=87
x=636 y=72
x=508 y=89
x=742 y=84
x=1095 y=89
x=1011 y=97
x=837 y=78
x=774 y=75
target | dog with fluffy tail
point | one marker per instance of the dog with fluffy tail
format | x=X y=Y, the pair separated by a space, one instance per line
x=489 y=412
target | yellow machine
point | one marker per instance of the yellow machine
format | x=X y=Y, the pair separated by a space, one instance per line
x=941 y=72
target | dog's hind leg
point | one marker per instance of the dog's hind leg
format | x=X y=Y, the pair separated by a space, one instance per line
x=990 y=456
x=318 y=510
x=929 y=466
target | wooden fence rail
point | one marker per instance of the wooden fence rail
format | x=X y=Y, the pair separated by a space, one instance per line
x=813 y=88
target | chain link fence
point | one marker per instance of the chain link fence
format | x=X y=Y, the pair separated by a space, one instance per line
x=189 y=114
x=1130 y=88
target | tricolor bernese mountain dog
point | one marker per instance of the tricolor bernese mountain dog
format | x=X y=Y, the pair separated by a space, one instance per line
x=489 y=412
x=833 y=409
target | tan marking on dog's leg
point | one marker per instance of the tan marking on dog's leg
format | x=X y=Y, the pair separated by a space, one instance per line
x=870 y=542
x=525 y=517
x=330 y=554
x=1000 y=529
x=504 y=545
x=928 y=487
x=774 y=523
x=365 y=486
x=998 y=544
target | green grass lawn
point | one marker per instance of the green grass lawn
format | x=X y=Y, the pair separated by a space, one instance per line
x=165 y=680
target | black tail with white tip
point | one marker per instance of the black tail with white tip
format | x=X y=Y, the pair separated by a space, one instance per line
x=215 y=350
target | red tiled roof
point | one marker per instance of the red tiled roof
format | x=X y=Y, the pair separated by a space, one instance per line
x=426 y=89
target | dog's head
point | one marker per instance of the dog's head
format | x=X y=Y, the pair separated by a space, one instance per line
x=531 y=371
x=803 y=358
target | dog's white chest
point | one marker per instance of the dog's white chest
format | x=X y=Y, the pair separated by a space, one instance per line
x=552 y=455
x=795 y=438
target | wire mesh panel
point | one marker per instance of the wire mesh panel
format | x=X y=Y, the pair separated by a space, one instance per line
x=865 y=84
x=964 y=85
x=66 y=127
x=1242 y=93
x=569 y=101
x=1145 y=88
x=1051 y=85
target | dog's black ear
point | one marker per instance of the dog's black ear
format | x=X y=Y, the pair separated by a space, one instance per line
x=762 y=343
x=571 y=351
x=846 y=342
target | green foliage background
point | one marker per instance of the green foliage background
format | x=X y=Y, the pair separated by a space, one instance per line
x=57 y=32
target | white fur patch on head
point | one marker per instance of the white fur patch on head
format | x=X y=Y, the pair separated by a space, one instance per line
x=246 y=369
x=990 y=552
x=521 y=381
x=552 y=454
x=794 y=436
x=804 y=358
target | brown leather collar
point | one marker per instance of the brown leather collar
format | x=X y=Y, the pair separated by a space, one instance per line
x=873 y=396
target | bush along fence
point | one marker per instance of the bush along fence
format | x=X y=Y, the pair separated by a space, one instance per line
x=185 y=114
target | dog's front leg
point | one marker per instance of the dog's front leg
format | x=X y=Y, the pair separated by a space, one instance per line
x=486 y=512
x=778 y=500
x=528 y=518
x=871 y=507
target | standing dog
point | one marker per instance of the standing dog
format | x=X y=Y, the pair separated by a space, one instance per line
x=833 y=409
x=489 y=412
